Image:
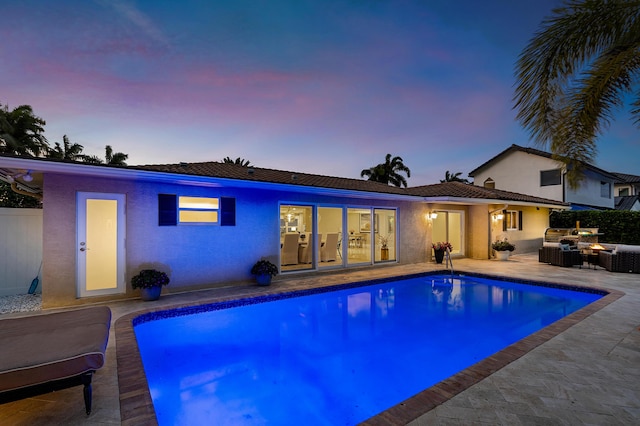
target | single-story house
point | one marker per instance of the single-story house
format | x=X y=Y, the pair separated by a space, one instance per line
x=206 y=224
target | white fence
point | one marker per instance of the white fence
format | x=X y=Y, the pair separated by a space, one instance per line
x=20 y=249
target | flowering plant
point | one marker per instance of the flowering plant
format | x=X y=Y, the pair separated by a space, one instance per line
x=442 y=246
x=148 y=278
x=503 y=245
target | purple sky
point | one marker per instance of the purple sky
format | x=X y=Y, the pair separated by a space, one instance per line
x=324 y=86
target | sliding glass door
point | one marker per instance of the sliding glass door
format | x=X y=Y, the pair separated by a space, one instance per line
x=335 y=236
x=448 y=226
x=297 y=249
x=330 y=236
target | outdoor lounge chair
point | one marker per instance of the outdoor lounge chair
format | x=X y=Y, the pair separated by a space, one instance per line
x=48 y=348
x=624 y=258
x=558 y=255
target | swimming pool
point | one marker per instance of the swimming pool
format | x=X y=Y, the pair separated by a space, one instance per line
x=335 y=357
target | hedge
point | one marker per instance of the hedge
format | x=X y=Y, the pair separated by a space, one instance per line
x=618 y=226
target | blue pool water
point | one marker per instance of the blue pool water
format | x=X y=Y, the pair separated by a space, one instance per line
x=335 y=358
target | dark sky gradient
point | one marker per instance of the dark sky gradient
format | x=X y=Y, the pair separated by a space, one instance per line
x=325 y=86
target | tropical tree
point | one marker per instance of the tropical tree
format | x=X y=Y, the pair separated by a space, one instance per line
x=21 y=132
x=574 y=72
x=388 y=172
x=67 y=151
x=453 y=177
x=110 y=158
x=239 y=161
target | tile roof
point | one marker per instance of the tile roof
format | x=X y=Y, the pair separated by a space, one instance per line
x=532 y=151
x=212 y=169
x=625 y=178
x=257 y=174
x=626 y=202
x=463 y=190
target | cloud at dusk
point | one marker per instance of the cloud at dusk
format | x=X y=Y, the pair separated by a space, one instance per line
x=326 y=87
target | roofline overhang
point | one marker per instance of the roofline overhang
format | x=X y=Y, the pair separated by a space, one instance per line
x=479 y=201
x=111 y=172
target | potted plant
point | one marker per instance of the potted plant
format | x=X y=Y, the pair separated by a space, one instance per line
x=150 y=282
x=439 y=249
x=264 y=271
x=503 y=248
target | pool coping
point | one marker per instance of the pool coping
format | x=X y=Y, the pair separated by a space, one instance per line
x=136 y=405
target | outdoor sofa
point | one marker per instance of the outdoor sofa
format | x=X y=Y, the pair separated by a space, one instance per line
x=54 y=347
x=623 y=258
x=558 y=254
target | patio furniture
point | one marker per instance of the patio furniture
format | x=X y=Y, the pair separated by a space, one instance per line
x=624 y=258
x=52 y=348
x=559 y=255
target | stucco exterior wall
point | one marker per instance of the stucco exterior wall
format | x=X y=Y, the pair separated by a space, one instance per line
x=520 y=172
x=195 y=256
x=478 y=232
x=529 y=239
x=589 y=192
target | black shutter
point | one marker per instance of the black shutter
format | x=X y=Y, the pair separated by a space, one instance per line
x=520 y=220
x=504 y=220
x=227 y=211
x=167 y=210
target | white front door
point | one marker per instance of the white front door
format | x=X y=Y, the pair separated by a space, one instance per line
x=100 y=244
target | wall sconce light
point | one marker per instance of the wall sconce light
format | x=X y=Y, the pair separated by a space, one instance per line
x=498 y=216
x=432 y=215
x=27 y=177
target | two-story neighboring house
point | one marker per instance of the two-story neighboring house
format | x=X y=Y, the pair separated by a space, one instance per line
x=627 y=192
x=534 y=172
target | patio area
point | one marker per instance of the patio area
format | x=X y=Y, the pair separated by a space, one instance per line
x=587 y=374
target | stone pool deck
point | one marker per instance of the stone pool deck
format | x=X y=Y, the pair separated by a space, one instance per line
x=587 y=374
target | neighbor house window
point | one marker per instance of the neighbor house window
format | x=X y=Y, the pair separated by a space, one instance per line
x=623 y=192
x=550 y=177
x=605 y=189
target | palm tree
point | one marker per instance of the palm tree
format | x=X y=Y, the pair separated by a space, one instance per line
x=239 y=161
x=21 y=132
x=388 y=172
x=453 y=177
x=577 y=68
x=111 y=158
x=67 y=151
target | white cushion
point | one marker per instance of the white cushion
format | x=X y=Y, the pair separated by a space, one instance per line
x=565 y=247
x=627 y=248
x=549 y=244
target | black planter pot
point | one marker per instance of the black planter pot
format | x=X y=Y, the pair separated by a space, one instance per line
x=439 y=255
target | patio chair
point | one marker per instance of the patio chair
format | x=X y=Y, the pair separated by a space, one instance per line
x=558 y=255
